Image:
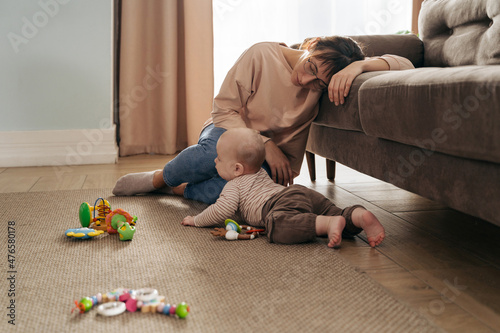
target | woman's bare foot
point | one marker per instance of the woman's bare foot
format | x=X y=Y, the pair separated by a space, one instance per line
x=365 y=219
x=331 y=226
x=161 y=187
x=179 y=190
x=158 y=181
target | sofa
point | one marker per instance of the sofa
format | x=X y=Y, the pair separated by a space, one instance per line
x=433 y=130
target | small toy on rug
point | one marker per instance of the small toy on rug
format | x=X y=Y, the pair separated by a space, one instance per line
x=234 y=231
x=111 y=309
x=83 y=233
x=86 y=213
x=120 y=300
x=119 y=221
x=116 y=221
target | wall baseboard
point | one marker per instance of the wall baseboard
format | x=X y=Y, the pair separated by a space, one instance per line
x=58 y=147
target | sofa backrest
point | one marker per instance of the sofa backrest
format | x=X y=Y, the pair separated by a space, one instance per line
x=460 y=32
x=408 y=46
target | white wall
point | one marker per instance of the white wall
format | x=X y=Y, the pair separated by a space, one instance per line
x=56 y=81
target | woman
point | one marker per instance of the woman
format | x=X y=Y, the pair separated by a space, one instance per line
x=274 y=90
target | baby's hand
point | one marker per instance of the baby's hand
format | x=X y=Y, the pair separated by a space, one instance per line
x=188 y=220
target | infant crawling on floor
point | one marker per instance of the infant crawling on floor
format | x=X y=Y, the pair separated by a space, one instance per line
x=290 y=215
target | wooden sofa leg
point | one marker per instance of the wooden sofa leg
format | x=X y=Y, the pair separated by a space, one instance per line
x=330 y=169
x=311 y=165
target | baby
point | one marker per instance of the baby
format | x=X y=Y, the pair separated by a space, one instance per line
x=290 y=215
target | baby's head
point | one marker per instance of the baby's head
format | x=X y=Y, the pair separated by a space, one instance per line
x=240 y=151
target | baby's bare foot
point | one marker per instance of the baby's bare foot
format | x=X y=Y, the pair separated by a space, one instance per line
x=375 y=232
x=336 y=225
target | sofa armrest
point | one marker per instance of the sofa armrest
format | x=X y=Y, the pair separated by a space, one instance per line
x=408 y=46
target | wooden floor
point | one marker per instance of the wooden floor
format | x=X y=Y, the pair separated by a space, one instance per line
x=443 y=263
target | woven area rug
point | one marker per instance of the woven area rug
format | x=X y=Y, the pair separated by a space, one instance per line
x=230 y=286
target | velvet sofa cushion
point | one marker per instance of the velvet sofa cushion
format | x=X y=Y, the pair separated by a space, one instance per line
x=460 y=32
x=453 y=110
x=344 y=116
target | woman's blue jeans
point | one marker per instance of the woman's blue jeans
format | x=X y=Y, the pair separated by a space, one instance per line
x=195 y=165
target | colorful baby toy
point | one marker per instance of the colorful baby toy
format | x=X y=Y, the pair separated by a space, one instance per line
x=234 y=231
x=116 y=221
x=119 y=221
x=85 y=213
x=83 y=233
x=121 y=300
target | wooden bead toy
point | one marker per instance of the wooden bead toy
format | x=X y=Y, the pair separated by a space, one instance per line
x=87 y=213
x=111 y=309
x=121 y=300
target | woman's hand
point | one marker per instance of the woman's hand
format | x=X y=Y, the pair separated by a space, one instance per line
x=341 y=82
x=281 y=170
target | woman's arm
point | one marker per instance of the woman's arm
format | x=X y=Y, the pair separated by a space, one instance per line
x=234 y=93
x=341 y=82
x=228 y=104
x=281 y=170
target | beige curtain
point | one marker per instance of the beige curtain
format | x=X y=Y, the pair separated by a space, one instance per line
x=415 y=11
x=166 y=74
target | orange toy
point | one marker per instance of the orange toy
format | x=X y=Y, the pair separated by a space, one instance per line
x=119 y=221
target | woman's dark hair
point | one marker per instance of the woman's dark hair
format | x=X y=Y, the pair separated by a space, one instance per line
x=336 y=52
